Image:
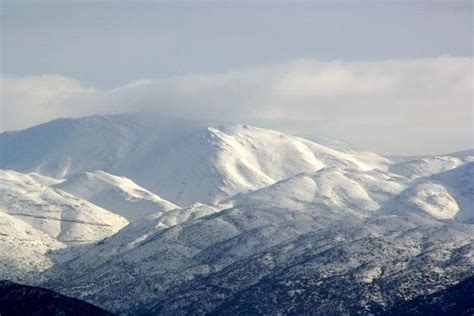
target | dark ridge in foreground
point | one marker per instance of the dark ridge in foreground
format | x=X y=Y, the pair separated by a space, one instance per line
x=456 y=300
x=17 y=299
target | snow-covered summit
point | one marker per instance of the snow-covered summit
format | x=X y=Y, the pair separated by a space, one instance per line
x=182 y=161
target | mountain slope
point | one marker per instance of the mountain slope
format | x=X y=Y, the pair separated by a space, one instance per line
x=329 y=189
x=311 y=240
x=460 y=183
x=58 y=214
x=448 y=195
x=182 y=161
x=116 y=194
x=355 y=270
x=429 y=165
x=291 y=226
x=24 y=250
x=455 y=300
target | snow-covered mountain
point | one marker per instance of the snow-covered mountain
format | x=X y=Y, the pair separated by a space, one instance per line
x=293 y=241
x=330 y=189
x=429 y=165
x=270 y=223
x=182 y=161
x=117 y=194
x=448 y=195
x=36 y=220
x=24 y=250
x=58 y=214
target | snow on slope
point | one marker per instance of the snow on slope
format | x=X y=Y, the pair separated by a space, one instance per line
x=331 y=189
x=430 y=198
x=182 y=161
x=179 y=251
x=311 y=227
x=117 y=194
x=141 y=230
x=65 y=146
x=24 y=250
x=446 y=196
x=369 y=158
x=179 y=216
x=56 y=213
x=426 y=166
x=304 y=235
x=362 y=268
x=459 y=182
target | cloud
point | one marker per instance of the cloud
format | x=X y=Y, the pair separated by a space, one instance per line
x=335 y=79
x=403 y=106
x=30 y=100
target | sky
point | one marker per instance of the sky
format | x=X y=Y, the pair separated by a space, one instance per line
x=395 y=77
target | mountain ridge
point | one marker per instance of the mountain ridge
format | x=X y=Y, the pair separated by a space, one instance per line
x=184 y=163
x=269 y=223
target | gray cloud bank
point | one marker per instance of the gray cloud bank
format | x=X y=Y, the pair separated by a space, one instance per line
x=410 y=106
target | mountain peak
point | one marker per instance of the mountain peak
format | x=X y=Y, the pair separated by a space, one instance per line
x=169 y=159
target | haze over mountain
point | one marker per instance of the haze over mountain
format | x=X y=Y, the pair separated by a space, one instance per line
x=190 y=217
